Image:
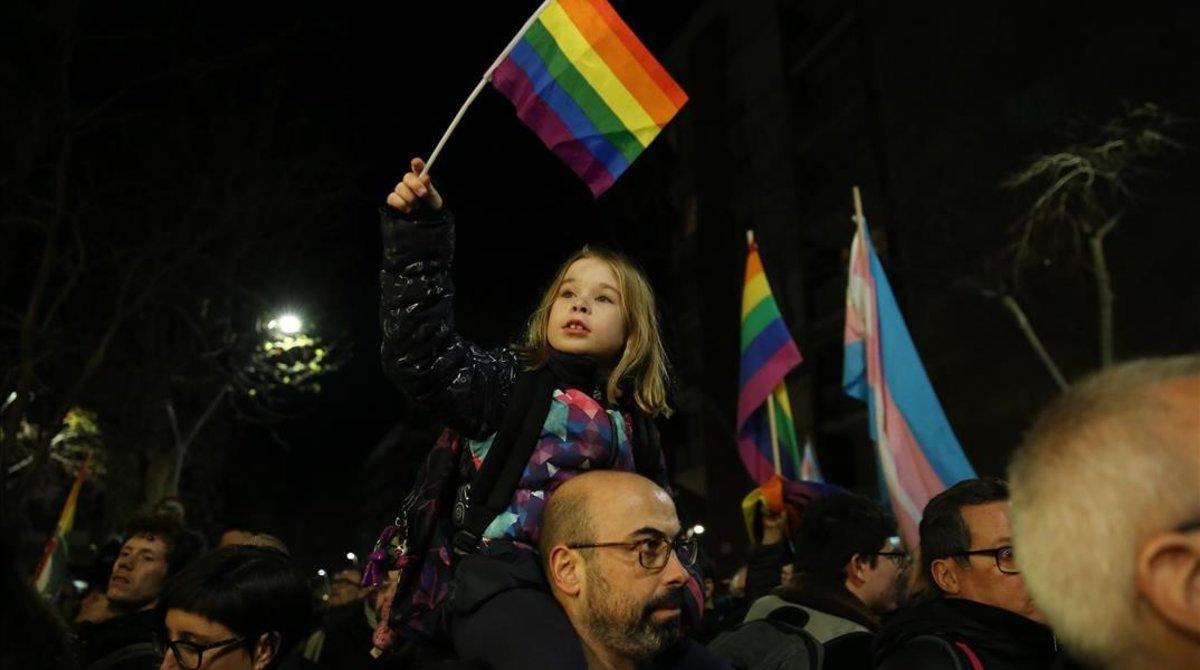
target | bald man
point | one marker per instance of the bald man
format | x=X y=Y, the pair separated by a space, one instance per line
x=615 y=559
x=1106 y=515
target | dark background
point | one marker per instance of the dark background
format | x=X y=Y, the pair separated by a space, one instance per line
x=284 y=125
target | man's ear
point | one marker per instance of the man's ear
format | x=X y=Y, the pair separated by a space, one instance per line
x=945 y=575
x=857 y=568
x=265 y=649
x=1168 y=576
x=564 y=570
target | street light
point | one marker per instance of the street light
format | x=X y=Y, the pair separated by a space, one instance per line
x=351 y=556
x=288 y=324
x=698 y=529
x=321 y=572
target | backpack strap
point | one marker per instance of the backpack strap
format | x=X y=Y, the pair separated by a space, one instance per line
x=976 y=664
x=145 y=650
x=950 y=649
x=479 y=503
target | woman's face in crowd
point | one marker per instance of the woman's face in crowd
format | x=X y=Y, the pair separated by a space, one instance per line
x=188 y=633
x=587 y=316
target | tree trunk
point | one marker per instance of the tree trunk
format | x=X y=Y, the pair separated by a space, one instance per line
x=1104 y=293
x=1023 y=323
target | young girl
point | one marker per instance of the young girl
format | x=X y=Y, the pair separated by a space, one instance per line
x=580 y=391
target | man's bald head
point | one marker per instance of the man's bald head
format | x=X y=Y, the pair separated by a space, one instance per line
x=577 y=509
x=1107 y=467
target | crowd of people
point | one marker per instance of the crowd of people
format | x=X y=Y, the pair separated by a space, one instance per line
x=542 y=531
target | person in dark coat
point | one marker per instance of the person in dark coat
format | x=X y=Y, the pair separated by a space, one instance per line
x=849 y=566
x=980 y=615
x=123 y=635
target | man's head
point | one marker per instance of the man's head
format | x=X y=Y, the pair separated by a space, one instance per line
x=345 y=587
x=1105 y=487
x=237 y=608
x=624 y=599
x=966 y=547
x=250 y=538
x=156 y=546
x=846 y=540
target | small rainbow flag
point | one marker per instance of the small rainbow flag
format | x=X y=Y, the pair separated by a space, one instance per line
x=766 y=432
x=52 y=569
x=586 y=85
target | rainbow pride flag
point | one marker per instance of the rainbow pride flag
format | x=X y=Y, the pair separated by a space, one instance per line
x=768 y=354
x=52 y=569
x=919 y=456
x=586 y=85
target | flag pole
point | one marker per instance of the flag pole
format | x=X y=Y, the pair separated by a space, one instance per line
x=858 y=208
x=487 y=76
x=774 y=433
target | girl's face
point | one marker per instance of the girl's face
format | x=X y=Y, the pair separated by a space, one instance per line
x=587 y=316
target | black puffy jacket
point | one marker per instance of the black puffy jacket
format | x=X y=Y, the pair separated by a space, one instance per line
x=465 y=386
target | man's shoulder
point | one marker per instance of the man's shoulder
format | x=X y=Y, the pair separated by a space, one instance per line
x=925 y=651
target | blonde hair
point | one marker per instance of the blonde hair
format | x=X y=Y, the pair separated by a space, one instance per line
x=643 y=360
x=1106 y=466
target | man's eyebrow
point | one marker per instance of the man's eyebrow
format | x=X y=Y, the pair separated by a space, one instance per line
x=648 y=531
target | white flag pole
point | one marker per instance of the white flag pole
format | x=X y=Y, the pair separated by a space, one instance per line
x=487 y=76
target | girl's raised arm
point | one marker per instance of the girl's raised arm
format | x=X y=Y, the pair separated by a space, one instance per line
x=462 y=385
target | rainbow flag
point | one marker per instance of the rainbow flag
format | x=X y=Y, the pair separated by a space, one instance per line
x=919 y=456
x=586 y=85
x=768 y=354
x=52 y=569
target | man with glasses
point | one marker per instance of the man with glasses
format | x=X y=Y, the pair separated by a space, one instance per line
x=980 y=614
x=616 y=560
x=1106 y=513
x=237 y=608
x=848 y=572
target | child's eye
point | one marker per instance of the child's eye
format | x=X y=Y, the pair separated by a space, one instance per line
x=603 y=298
x=568 y=294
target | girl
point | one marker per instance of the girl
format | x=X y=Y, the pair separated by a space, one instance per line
x=578 y=393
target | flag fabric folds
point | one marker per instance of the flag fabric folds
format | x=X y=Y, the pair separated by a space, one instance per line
x=52 y=569
x=768 y=354
x=585 y=84
x=919 y=456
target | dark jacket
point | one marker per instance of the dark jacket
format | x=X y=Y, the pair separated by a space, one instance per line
x=465 y=386
x=1000 y=639
x=127 y=642
x=765 y=568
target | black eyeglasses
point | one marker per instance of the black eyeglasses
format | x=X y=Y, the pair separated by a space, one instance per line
x=900 y=558
x=655 y=552
x=1006 y=561
x=190 y=656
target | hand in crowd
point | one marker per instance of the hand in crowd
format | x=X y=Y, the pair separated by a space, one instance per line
x=414 y=189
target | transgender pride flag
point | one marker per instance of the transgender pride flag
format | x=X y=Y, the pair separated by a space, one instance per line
x=766 y=432
x=919 y=456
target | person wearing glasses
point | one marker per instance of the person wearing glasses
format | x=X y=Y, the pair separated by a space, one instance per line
x=1106 y=515
x=848 y=570
x=616 y=561
x=980 y=615
x=236 y=608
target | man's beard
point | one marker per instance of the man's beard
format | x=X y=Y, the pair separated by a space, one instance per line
x=627 y=627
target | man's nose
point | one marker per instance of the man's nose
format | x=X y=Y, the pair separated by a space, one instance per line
x=674 y=572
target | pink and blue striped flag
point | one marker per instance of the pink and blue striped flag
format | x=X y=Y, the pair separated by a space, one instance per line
x=919 y=456
x=585 y=84
x=768 y=354
x=810 y=469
